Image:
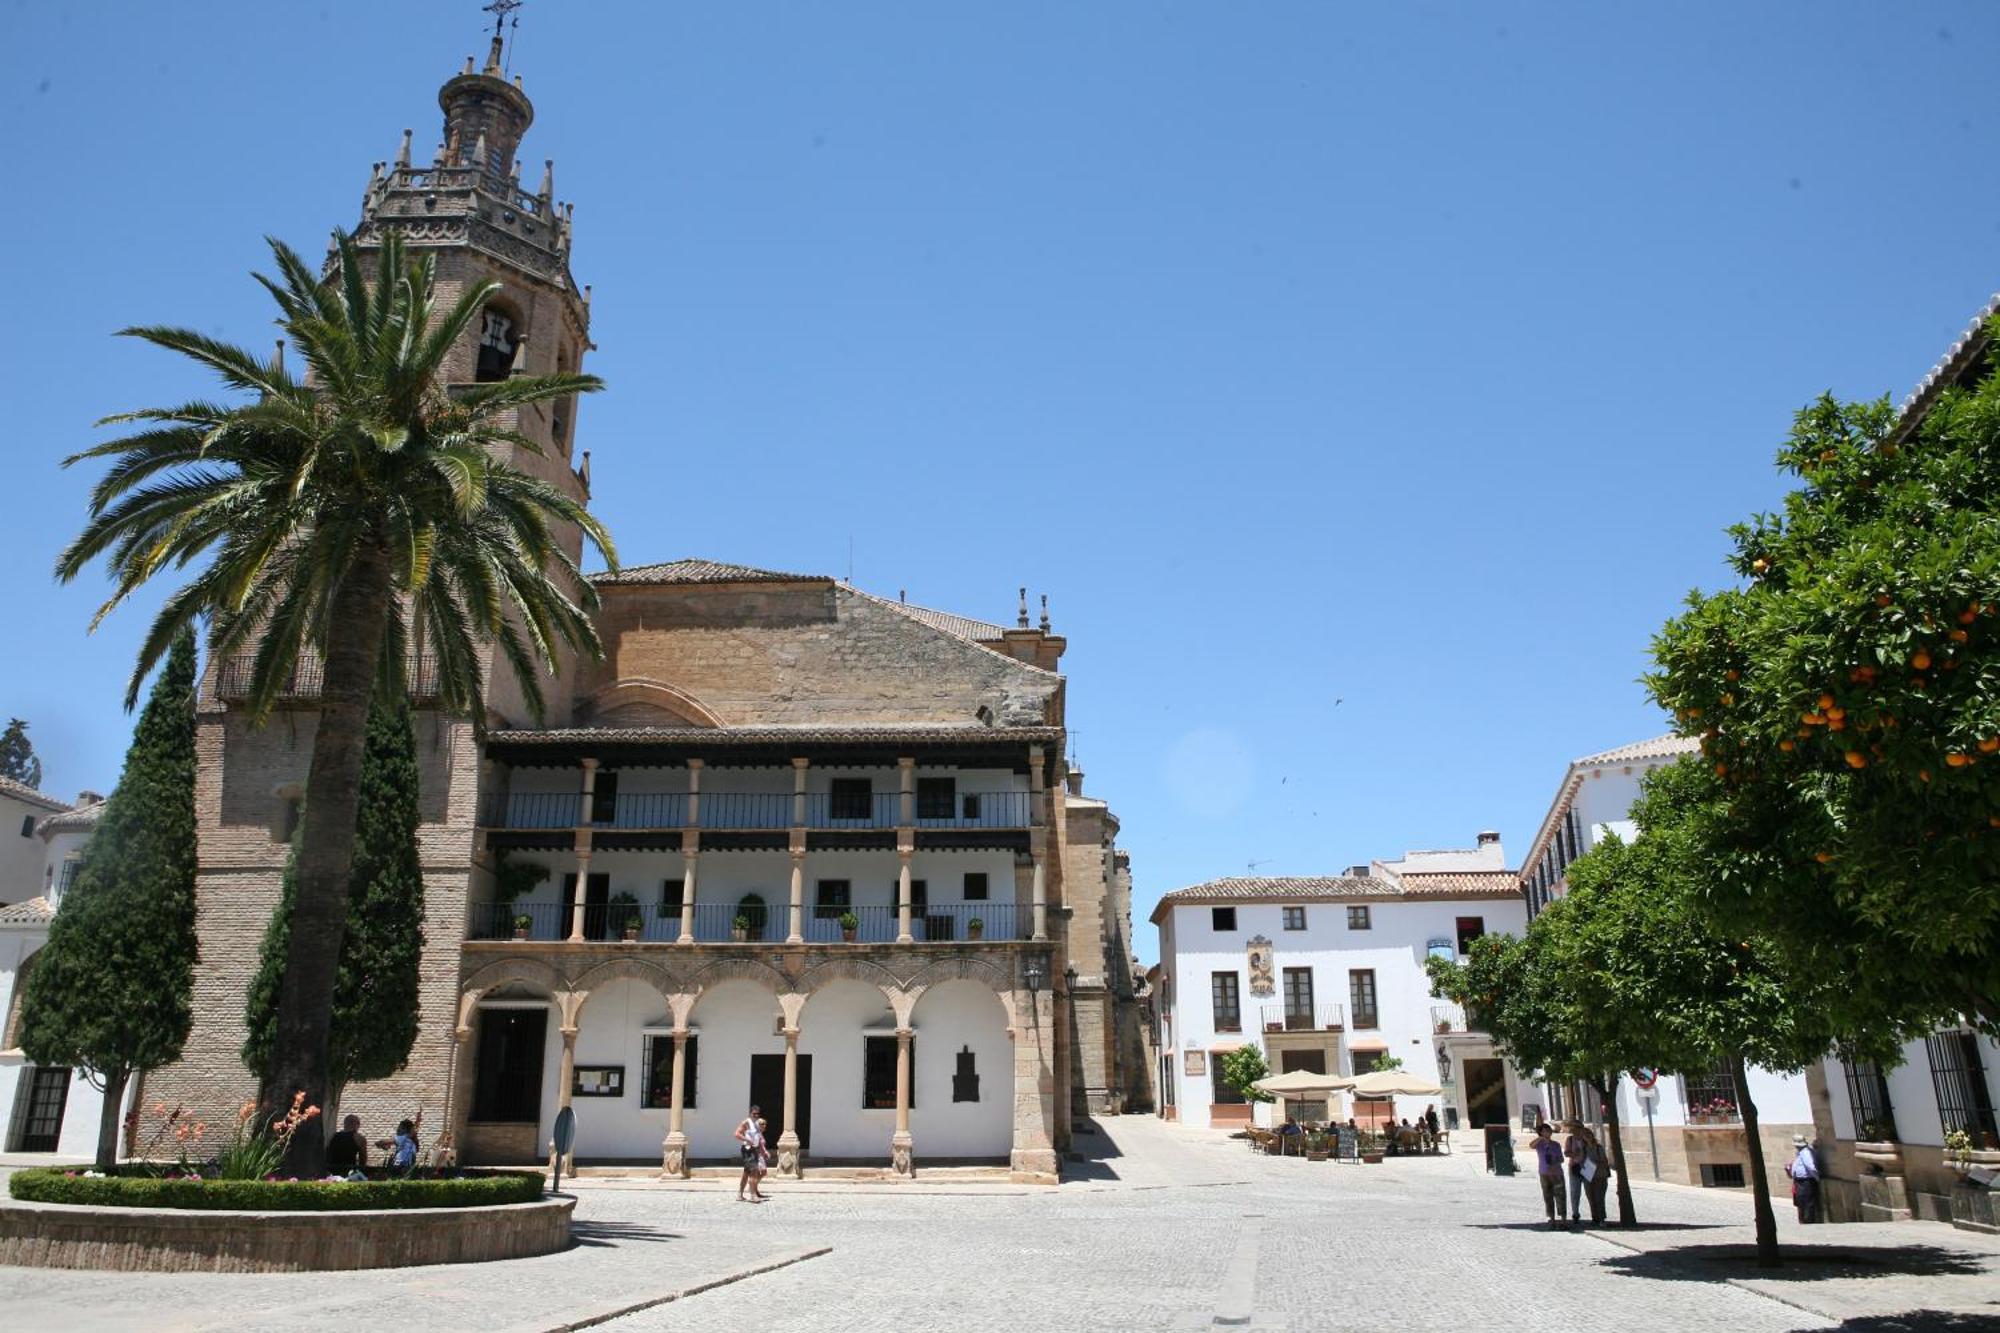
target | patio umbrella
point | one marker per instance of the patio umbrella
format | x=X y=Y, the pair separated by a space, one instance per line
x=1303 y=1083
x=1392 y=1083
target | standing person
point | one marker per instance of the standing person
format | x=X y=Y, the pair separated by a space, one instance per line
x=750 y=1140
x=346 y=1151
x=1597 y=1173
x=1549 y=1170
x=1576 y=1151
x=1804 y=1172
x=1431 y=1121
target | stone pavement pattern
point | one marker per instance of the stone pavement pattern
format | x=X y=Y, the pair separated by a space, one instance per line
x=1165 y=1228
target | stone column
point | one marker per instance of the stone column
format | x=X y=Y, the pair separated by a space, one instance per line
x=694 y=794
x=674 y=1150
x=798 y=935
x=1033 y=1159
x=589 y=789
x=904 y=851
x=566 y=1077
x=582 y=886
x=788 y=1139
x=1038 y=848
x=690 y=854
x=901 y=1147
x=907 y=806
x=799 y=793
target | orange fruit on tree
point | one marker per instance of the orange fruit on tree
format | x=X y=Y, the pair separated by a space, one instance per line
x=1786 y=746
x=1921 y=660
x=1855 y=759
x=1957 y=760
x=1989 y=744
x=1958 y=636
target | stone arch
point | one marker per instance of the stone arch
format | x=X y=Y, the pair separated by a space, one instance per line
x=628 y=969
x=634 y=698
x=532 y=971
x=962 y=967
x=10 y=1029
x=739 y=969
x=849 y=969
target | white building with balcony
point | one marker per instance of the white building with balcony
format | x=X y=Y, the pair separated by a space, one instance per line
x=1327 y=974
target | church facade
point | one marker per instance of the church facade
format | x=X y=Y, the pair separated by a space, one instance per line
x=788 y=843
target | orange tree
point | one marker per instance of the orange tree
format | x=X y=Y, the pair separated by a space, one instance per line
x=1847 y=698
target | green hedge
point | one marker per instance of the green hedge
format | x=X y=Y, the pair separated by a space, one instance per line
x=50 y=1185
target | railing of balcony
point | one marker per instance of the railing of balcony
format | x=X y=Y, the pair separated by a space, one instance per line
x=875 y=810
x=1448 y=1018
x=977 y=810
x=716 y=923
x=747 y=811
x=1297 y=1018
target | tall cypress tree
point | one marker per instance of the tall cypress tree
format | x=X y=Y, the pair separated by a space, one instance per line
x=110 y=992
x=375 y=995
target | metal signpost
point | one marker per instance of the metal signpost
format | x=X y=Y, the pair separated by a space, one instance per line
x=1647 y=1081
x=565 y=1139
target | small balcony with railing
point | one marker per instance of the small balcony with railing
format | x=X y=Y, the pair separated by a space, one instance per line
x=1296 y=1017
x=752 y=812
x=663 y=922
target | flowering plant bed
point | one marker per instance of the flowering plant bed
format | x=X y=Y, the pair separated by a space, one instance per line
x=143 y=1187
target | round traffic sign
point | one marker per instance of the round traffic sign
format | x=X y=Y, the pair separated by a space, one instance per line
x=1645 y=1078
x=565 y=1130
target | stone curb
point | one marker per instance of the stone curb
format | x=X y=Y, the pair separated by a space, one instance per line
x=605 y=1316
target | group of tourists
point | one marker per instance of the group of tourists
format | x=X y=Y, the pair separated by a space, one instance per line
x=347 y=1151
x=1581 y=1158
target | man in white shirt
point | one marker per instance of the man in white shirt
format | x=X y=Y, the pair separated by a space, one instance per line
x=1804 y=1171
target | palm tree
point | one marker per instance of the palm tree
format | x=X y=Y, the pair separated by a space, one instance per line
x=335 y=518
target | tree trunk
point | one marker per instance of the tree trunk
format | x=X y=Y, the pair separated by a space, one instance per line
x=1760 y=1184
x=299 y=1055
x=1626 y=1216
x=109 y=1119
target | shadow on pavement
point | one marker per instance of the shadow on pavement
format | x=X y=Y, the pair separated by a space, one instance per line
x=1607 y=1228
x=1924 y=1321
x=615 y=1233
x=1090 y=1154
x=1802 y=1263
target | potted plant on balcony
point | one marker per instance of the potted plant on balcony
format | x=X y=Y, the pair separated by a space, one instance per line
x=849 y=923
x=622 y=914
x=975 y=929
x=749 y=918
x=523 y=923
x=739 y=929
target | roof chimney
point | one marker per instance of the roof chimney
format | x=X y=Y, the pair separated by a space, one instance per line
x=1075 y=780
x=1488 y=838
x=89 y=797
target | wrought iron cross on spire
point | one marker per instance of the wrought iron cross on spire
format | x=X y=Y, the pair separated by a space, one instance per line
x=500 y=9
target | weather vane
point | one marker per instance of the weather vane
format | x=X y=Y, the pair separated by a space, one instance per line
x=500 y=9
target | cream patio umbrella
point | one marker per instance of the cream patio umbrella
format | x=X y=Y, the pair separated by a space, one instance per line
x=1390 y=1083
x=1303 y=1083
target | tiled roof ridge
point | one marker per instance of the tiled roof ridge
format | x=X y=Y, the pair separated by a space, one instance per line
x=975 y=644
x=695 y=569
x=1656 y=747
x=964 y=627
x=29 y=912
x=21 y=791
x=758 y=734
x=82 y=816
x=1947 y=368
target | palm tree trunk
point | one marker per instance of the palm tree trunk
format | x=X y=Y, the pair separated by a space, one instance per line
x=1626 y=1216
x=299 y=1058
x=109 y=1119
x=1760 y=1184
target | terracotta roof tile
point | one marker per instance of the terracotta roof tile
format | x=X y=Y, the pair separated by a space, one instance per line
x=1462 y=884
x=1660 y=747
x=699 y=571
x=773 y=735
x=1949 y=367
x=21 y=791
x=962 y=627
x=83 y=816
x=33 y=912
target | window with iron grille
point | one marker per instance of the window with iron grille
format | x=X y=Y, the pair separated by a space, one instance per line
x=1868 y=1098
x=1295 y=918
x=1712 y=1093
x=657 y=1059
x=1224 y=1094
x=1224 y=998
x=1357 y=918
x=937 y=798
x=1964 y=1101
x=1361 y=993
x=878 y=1073
x=850 y=798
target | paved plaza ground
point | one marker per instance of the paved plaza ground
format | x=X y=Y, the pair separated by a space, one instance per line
x=1159 y=1227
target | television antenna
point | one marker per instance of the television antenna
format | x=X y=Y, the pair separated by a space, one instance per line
x=1252 y=867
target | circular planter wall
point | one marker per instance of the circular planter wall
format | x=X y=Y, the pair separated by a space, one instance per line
x=64 y=1235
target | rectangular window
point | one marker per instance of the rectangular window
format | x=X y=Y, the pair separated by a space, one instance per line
x=970 y=806
x=850 y=798
x=1470 y=928
x=975 y=886
x=1223 y=997
x=1295 y=918
x=1964 y=1102
x=831 y=897
x=937 y=798
x=604 y=797
x=1361 y=994
x=1365 y=1061
x=672 y=893
x=1868 y=1098
x=1357 y=918
x=27 y=826
x=1298 y=998
x=657 y=1060
x=1711 y=1094
x=1224 y=1094
x=878 y=1073
x=1222 y=918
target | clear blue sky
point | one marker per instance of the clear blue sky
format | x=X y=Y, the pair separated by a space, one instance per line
x=1363 y=384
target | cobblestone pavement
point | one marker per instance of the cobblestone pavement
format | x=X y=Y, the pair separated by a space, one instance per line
x=1162 y=1228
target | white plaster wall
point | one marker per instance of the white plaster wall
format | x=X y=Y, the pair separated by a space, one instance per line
x=736 y=1020
x=832 y=1028
x=59 y=848
x=20 y=855
x=1912 y=1093
x=611 y=1031
x=948 y=1017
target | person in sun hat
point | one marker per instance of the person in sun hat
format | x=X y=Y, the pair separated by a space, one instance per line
x=1804 y=1171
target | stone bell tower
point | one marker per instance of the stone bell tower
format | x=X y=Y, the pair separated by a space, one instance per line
x=467 y=208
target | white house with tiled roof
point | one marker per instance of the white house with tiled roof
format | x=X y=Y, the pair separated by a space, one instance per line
x=42 y=1110
x=1326 y=973
x=22 y=809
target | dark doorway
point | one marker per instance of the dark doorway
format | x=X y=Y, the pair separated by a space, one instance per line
x=1485 y=1092
x=1313 y=1061
x=508 y=1086
x=767 y=1092
x=596 y=905
x=48 y=1094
